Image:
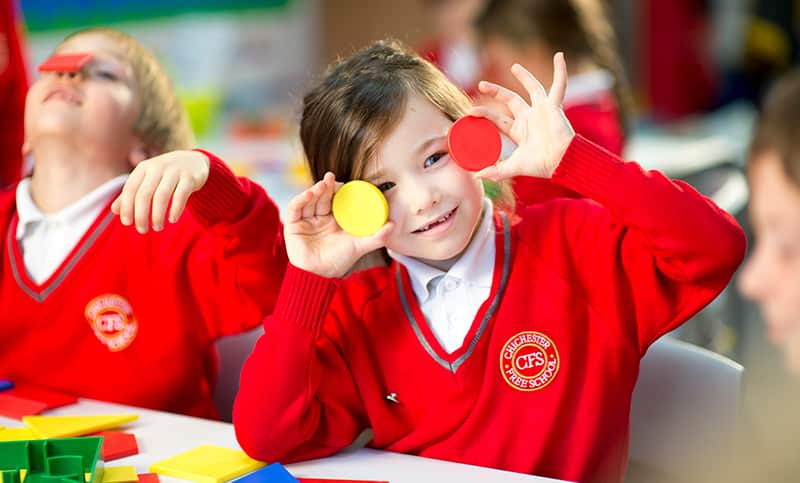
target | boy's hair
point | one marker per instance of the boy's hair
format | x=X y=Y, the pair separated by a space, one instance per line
x=163 y=124
x=351 y=111
x=778 y=126
x=579 y=28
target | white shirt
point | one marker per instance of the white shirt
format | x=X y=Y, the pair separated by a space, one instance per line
x=449 y=300
x=47 y=239
x=587 y=86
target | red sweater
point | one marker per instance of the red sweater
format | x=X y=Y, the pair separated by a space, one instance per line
x=13 y=87
x=598 y=121
x=543 y=382
x=133 y=318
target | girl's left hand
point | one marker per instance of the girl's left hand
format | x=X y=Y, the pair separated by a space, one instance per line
x=539 y=129
x=158 y=183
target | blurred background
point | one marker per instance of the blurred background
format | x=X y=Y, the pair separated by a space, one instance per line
x=696 y=69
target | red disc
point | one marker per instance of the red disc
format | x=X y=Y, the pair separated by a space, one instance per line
x=474 y=143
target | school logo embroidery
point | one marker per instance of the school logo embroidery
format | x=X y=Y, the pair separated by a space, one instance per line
x=529 y=361
x=112 y=321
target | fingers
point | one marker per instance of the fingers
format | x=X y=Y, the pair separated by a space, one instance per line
x=161 y=199
x=377 y=240
x=559 y=86
x=323 y=206
x=294 y=212
x=515 y=103
x=180 y=197
x=126 y=198
x=530 y=83
x=500 y=120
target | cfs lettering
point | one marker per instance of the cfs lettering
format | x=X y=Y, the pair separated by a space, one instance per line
x=527 y=361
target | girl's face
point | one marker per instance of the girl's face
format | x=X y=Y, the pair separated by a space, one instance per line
x=435 y=204
x=99 y=104
x=771 y=276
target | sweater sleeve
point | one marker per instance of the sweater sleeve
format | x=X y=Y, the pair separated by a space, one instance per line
x=297 y=399
x=647 y=252
x=13 y=87
x=236 y=264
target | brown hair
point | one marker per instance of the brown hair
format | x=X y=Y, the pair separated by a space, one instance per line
x=163 y=124
x=778 y=127
x=579 y=28
x=350 y=112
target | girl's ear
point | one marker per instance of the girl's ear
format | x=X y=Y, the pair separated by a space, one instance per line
x=26 y=148
x=137 y=154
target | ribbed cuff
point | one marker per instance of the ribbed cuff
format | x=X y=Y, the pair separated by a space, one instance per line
x=304 y=297
x=222 y=197
x=587 y=168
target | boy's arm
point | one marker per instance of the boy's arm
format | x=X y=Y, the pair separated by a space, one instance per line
x=297 y=399
x=651 y=251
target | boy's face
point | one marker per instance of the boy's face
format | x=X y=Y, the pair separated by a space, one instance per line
x=771 y=276
x=434 y=203
x=99 y=104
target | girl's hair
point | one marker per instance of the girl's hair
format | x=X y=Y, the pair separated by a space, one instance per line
x=778 y=127
x=163 y=124
x=579 y=28
x=351 y=111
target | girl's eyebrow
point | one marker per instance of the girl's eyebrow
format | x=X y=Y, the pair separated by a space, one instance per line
x=376 y=175
x=427 y=144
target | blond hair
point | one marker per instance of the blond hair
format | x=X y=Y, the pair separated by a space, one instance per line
x=163 y=124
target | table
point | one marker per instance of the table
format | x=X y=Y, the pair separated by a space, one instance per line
x=161 y=435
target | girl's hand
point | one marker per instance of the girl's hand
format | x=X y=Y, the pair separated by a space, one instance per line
x=315 y=242
x=539 y=129
x=157 y=183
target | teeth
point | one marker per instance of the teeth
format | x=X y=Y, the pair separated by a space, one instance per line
x=441 y=219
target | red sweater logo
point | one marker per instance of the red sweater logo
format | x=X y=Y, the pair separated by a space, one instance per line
x=529 y=361
x=112 y=321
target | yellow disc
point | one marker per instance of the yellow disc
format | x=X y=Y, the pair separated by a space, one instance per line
x=360 y=208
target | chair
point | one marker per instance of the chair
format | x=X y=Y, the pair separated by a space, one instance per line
x=233 y=350
x=683 y=413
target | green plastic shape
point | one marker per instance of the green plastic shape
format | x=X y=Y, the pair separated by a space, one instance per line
x=61 y=460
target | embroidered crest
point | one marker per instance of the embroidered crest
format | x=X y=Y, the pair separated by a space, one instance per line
x=529 y=361
x=112 y=321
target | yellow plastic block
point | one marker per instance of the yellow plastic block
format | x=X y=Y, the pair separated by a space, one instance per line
x=22 y=474
x=66 y=426
x=120 y=474
x=17 y=434
x=207 y=464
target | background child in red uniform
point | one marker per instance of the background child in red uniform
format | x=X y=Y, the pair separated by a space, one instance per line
x=513 y=345
x=13 y=85
x=90 y=306
x=531 y=32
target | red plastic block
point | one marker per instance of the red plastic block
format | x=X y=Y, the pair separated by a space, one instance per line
x=117 y=444
x=148 y=478
x=65 y=62
x=51 y=399
x=16 y=407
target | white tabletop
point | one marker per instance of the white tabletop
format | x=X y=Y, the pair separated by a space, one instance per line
x=161 y=435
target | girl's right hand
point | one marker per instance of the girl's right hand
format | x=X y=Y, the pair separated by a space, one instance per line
x=315 y=242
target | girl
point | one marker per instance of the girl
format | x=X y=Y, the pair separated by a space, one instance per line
x=531 y=32
x=86 y=300
x=506 y=343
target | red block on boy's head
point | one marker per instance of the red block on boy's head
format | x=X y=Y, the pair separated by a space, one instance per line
x=474 y=143
x=65 y=62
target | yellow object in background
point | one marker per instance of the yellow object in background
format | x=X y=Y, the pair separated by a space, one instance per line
x=207 y=464
x=120 y=474
x=360 y=208
x=17 y=434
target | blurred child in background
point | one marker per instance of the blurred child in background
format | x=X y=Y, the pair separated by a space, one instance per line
x=86 y=299
x=530 y=32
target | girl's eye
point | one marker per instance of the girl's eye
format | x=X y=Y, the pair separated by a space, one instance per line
x=433 y=159
x=384 y=187
x=106 y=75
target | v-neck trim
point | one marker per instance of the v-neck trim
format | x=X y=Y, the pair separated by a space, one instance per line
x=424 y=334
x=40 y=292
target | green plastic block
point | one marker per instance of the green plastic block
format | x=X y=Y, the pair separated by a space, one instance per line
x=63 y=460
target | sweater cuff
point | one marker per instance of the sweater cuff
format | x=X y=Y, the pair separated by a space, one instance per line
x=222 y=197
x=587 y=168
x=304 y=298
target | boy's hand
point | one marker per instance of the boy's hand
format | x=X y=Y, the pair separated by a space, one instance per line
x=158 y=183
x=539 y=129
x=315 y=242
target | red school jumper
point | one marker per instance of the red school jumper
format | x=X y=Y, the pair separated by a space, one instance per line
x=13 y=87
x=598 y=121
x=132 y=318
x=543 y=381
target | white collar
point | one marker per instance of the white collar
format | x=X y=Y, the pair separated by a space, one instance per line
x=475 y=266
x=89 y=204
x=586 y=86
